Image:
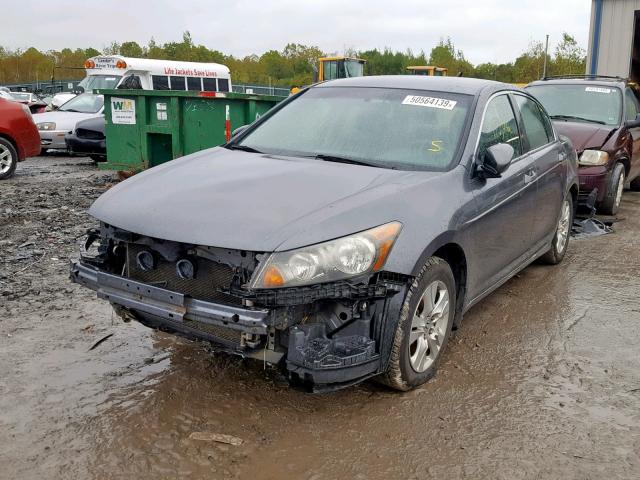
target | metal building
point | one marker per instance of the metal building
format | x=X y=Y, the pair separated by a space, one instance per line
x=614 y=38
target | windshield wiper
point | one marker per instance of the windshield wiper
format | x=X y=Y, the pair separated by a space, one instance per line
x=243 y=148
x=573 y=117
x=338 y=159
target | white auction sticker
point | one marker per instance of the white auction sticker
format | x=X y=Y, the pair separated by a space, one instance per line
x=432 y=102
x=598 y=89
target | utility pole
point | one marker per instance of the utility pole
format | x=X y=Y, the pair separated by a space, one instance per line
x=546 y=48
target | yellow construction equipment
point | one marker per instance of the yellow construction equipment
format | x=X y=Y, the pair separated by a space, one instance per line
x=330 y=68
x=428 y=70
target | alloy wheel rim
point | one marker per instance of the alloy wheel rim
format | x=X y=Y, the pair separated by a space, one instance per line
x=5 y=159
x=429 y=326
x=620 y=189
x=563 y=227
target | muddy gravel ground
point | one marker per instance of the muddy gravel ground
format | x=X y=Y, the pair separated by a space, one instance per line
x=541 y=381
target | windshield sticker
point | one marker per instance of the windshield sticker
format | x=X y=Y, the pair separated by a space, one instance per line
x=598 y=90
x=432 y=102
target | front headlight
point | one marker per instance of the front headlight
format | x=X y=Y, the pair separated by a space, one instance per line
x=46 y=126
x=593 y=157
x=329 y=261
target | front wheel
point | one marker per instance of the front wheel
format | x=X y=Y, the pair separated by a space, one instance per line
x=424 y=327
x=563 y=230
x=8 y=159
x=611 y=202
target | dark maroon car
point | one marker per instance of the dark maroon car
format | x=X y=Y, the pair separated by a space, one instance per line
x=601 y=116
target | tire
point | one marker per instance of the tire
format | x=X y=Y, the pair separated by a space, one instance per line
x=406 y=370
x=611 y=202
x=560 y=240
x=97 y=158
x=8 y=159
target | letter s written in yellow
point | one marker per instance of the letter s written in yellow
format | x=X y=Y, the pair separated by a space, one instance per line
x=436 y=146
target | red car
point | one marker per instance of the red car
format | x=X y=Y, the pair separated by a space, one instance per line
x=19 y=137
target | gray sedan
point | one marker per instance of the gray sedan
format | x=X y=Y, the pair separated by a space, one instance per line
x=343 y=235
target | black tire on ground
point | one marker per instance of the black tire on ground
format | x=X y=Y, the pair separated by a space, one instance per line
x=556 y=253
x=610 y=204
x=400 y=374
x=98 y=158
x=8 y=158
x=635 y=184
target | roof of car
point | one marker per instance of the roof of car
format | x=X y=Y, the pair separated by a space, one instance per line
x=600 y=81
x=469 y=86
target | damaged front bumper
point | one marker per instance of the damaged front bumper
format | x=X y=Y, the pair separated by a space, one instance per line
x=325 y=336
x=173 y=307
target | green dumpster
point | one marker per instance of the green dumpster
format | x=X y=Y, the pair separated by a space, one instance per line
x=145 y=128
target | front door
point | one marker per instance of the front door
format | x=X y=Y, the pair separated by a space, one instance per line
x=500 y=231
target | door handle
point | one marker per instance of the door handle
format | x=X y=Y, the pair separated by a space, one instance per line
x=529 y=176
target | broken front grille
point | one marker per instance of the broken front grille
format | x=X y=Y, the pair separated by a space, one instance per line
x=89 y=134
x=209 y=278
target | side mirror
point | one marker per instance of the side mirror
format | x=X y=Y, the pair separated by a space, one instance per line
x=495 y=161
x=633 y=123
x=239 y=130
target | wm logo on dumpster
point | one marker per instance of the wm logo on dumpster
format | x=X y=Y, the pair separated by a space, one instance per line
x=123 y=105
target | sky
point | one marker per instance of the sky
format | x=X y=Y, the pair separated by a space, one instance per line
x=486 y=31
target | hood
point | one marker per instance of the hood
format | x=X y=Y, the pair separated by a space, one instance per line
x=249 y=201
x=584 y=135
x=63 y=120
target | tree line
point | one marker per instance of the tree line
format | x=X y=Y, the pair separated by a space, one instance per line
x=295 y=64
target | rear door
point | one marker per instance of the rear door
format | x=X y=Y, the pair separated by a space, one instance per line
x=501 y=229
x=548 y=167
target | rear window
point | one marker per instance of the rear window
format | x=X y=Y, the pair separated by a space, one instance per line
x=535 y=127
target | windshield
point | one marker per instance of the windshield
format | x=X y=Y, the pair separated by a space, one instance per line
x=23 y=97
x=354 y=68
x=393 y=128
x=93 y=82
x=84 y=103
x=595 y=103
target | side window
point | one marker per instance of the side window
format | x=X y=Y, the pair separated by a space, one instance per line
x=209 y=85
x=223 y=84
x=631 y=104
x=499 y=126
x=177 y=83
x=194 y=83
x=160 y=82
x=536 y=129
